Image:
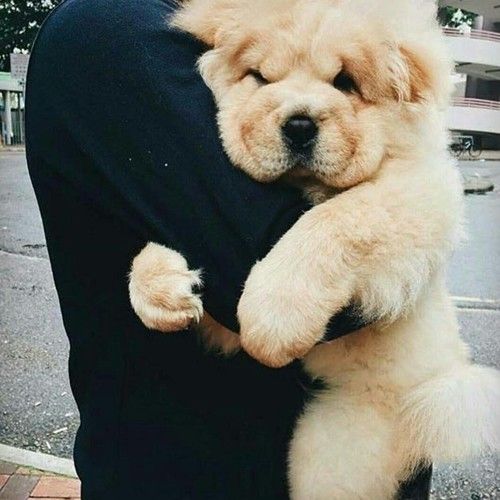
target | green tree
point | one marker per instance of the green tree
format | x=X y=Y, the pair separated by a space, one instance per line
x=452 y=17
x=20 y=21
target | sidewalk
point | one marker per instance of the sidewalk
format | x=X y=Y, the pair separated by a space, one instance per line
x=21 y=480
x=22 y=483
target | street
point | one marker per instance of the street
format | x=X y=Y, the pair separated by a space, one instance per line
x=37 y=411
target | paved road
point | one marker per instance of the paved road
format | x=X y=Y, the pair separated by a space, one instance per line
x=36 y=408
x=473 y=274
x=477 y=261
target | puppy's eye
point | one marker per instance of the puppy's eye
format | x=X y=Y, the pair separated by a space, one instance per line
x=257 y=76
x=345 y=83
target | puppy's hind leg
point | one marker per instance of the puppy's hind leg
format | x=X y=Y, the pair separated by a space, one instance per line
x=342 y=450
x=161 y=289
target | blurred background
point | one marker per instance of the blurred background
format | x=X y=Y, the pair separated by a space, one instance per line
x=37 y=411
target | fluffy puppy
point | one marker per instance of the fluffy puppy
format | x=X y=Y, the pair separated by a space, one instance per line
x=345 y=98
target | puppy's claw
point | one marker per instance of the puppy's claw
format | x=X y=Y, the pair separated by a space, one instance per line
x=161 y=290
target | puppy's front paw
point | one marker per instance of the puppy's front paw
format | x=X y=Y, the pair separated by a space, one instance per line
x=282 y=315
x=161 y=289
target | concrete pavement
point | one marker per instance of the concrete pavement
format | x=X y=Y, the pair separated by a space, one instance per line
x=36 y=408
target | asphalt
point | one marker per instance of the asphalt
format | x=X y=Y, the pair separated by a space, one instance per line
x=37 y=411
x=476 y=263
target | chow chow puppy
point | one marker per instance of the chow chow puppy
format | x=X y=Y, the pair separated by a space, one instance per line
x=345 y=98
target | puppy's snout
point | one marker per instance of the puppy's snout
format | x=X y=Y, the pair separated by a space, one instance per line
x=299 y=132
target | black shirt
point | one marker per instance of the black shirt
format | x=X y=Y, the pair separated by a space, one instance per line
x=123 y=149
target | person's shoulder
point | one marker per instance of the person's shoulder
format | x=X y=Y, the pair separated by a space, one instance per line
x=104 y=40
x=109 y=12
x=105 y=24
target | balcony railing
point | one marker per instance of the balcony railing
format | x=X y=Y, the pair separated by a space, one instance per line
x=469 y=102
x=490 y=36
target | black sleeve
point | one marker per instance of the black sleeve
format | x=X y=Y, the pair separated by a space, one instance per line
x=117 y=109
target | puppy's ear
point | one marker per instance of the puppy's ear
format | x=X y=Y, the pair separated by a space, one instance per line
x=203 y=18
x=420 y=84
x=417 y=78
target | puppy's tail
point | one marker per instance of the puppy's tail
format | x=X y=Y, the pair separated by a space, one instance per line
x=453 y=416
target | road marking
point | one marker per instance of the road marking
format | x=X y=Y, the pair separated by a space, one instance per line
x=476 y=303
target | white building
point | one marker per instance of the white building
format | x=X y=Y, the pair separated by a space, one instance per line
x=476 y=107
x=11 y=110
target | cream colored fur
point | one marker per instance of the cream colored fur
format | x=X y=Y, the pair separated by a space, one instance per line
x=402 y=391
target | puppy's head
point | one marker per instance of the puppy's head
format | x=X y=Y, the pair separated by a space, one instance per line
x=323 y=88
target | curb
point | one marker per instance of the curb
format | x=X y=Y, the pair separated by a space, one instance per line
x=9 y=149
x=40 y=461
x=479 y=160
x=476 y=184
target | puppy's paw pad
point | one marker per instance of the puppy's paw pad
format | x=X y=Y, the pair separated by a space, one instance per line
x=162 y=289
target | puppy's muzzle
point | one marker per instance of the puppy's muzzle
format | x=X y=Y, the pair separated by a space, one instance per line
x=299 y=133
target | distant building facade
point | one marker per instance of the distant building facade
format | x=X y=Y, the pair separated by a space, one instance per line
x=476 y=105
x=476 y=51
x=11 y=111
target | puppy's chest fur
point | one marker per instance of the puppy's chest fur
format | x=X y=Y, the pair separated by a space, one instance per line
x=314 y=190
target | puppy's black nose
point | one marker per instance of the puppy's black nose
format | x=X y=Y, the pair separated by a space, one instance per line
x=299 y=132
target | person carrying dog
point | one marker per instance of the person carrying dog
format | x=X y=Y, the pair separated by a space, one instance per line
x=123 y=149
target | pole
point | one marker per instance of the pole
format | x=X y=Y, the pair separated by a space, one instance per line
x=22 y=107
x=8 y=119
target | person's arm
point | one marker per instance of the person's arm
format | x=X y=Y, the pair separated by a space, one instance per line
x=132 y=128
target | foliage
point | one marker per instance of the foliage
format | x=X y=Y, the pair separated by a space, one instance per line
x=20 y=21
x=451 y=17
